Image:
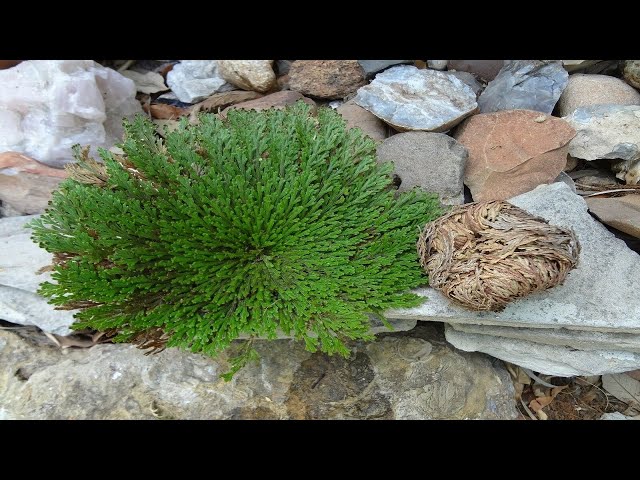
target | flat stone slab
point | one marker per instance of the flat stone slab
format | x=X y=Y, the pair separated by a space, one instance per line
x=600 y=294
x=561 y=337
x=547 y=359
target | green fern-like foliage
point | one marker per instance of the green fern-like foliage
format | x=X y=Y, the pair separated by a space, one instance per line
x=268 y=221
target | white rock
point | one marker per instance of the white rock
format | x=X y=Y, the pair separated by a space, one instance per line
x=148 y=82
x=255 y=75
x=46 y=106
x=606 y=131
x=617 y=416
x=194 y=80
x=600 y=294
x=438 y=64
x=21 y=259
x=411 y=99
x=546 y=359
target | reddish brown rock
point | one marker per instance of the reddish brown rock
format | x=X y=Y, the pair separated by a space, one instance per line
x=329 y=79
x=358 y=117
x=25 y=184
x=275 y=100
x=8 y=63
x=512 y=152
x=622 y=213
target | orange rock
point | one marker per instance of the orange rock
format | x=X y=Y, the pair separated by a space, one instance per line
x=512 y=152
x=328 y=79
x=8 y=63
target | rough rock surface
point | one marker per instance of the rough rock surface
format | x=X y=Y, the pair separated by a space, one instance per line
x=274 y=100
x=560 y=337
x=606 y=131
x=600 y=294
x=485 y=69
x=411 y=99
x=437 y=64
x=512 y=152
x=256 y=75
x=47 y=106
x=413 y=375
x=19 y=262
x=432 y=161
x=194 y=80
x=584 y=90
x=632 y=72
x=470 y=80
x=327 y=79
x=622 y=213
x=371 y=67
x=25 y=185
x=358 y=117
x=526 y=85
x=551 y=360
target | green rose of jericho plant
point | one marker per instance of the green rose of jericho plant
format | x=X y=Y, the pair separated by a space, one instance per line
x=266 y=222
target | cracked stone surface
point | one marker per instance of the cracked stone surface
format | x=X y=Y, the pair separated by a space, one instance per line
x=412 y=375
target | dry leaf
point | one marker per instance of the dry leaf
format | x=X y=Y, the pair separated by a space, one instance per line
x=542 y=415
x=163 y=111
x=623 y=387
x=166 y=126
x=148 y=82
x=219 y=101
x=539 y=403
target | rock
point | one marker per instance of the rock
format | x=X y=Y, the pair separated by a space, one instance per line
x=600 y=294
x=46 y=106
x=433 y=162
x=282 y=67
x=585 y=179
x=21 y=259
x=327 y=79
x=147 y=82
x=470 y=80
x=274 y=100
x=358 y=117
x=566 y=179
x=401 y=376
x=632 y=72
x=627 y=170
x=438 y=64
x=525 y=84
x=617 y=416
x=576 y=65
x=572 y=163
x=256 y=75
x=622 y=213
x=411 y=99
x=623 y=387
x=371 y=67
x=512 y=152
x=485 y=69
x=559 y=361
x=606 y=131
x=586 y=90
x=25 y=185
x=194 y=80
x=559 y=337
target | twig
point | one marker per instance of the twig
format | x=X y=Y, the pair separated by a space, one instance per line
x=126 y=65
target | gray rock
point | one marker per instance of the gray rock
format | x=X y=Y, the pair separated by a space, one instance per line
x=606 y=131
x=411 y=99
x=564 y=178
x=432 y=161
x=600 y=294
x=550 y=360
x=437 y=64
x=21 y=259
x=358 y=117
x=562 y=337
x=585 y=90
x=525 y=85
x=577 y=65
x=194 y=80
x=404 y=376
x=617 y=416
x=470 y=80
x=371 y=67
